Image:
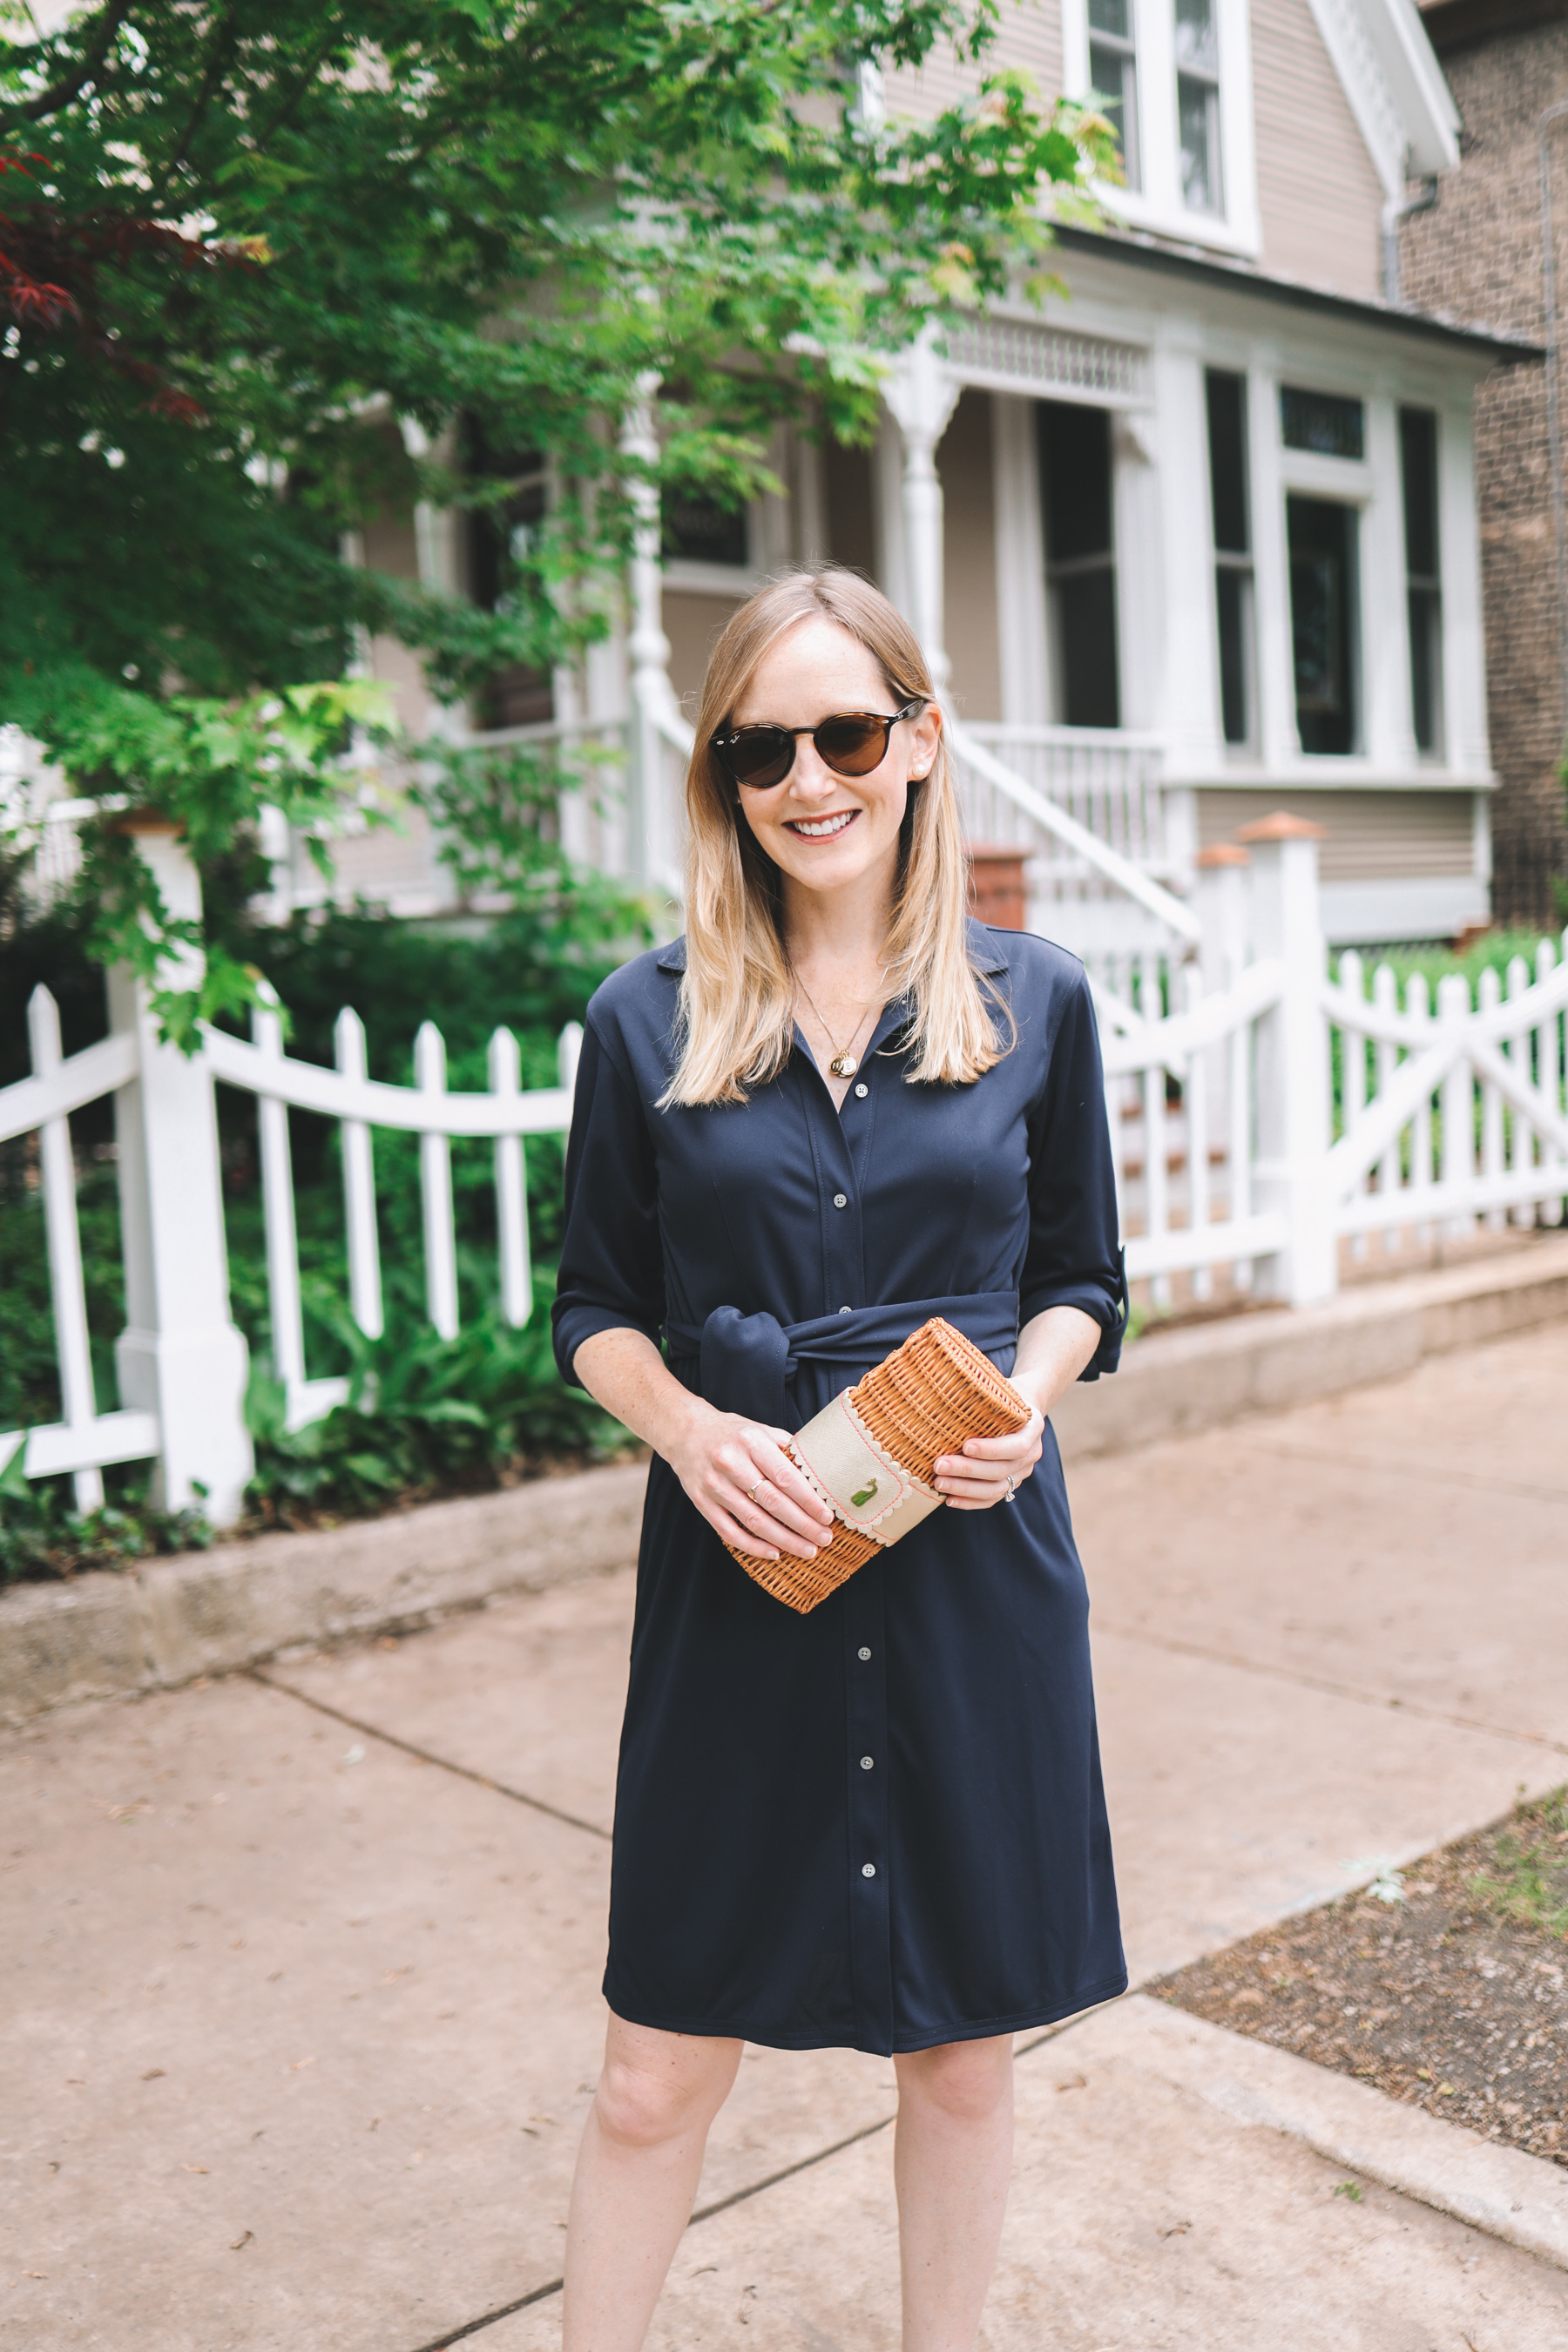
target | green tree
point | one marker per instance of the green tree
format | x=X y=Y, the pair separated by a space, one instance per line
x=240 y=239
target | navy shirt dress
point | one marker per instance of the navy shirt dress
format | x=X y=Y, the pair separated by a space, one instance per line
x=881 y=1825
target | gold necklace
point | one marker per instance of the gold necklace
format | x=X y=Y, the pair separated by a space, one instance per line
x=843 y=1064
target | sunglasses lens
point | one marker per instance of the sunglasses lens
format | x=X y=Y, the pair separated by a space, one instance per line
x=760 y=756
x=852 y=746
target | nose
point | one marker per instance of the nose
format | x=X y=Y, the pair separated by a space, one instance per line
x=811 y=778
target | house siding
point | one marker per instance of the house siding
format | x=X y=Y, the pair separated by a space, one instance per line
x=1372 y=836
x=1319 y=200
x=1028 y=35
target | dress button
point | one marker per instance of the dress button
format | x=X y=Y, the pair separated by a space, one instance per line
x=862 y=1091
x=846 y=1310
x=864 y=1654
x=867 y=1870
x=865 y=1763
x=841 y=1200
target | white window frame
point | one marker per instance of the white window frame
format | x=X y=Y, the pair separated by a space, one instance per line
x=699 y=577
x=1159 y=204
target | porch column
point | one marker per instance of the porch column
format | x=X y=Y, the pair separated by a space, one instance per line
x=648 y=647
x=922 y=395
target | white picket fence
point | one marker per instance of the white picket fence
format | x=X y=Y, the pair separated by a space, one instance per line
x=181 y=1365
x=1219 y=1078
x=85 y=1440
x=1220 y=1083
x=1452 y=1114
x=358 y=1104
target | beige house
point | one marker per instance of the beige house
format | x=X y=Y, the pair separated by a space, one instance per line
x=1196 y=542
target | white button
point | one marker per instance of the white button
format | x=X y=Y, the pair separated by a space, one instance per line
x=841 y=1200
x=862 y=1091
x=865 y=1763
x=865 y=1653
x=846 y=1310
x=867 y=1870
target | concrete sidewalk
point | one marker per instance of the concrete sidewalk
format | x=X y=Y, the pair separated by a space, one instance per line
x=300 y=2008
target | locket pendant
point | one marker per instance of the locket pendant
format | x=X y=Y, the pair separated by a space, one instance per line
x=844 y=1066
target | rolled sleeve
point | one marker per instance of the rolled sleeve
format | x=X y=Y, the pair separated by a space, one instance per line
x=1074 y=1257
x=611 y=1277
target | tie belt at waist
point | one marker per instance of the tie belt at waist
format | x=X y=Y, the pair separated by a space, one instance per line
x=745 y=1362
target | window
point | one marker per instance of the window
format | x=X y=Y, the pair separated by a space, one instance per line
x=1081 y=566
x=1197 y=104
x=699 y=530
x=1114 y=72
x=1323 y=422
x=1423 y=586
x=500 y=535
x=1322 y=537
x=1232 y=551
x=1172 y=77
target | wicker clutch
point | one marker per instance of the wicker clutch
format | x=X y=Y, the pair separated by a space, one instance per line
x=872 y=1454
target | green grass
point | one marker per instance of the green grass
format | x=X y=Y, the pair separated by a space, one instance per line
x=1529 y=1880
x=1494 y=951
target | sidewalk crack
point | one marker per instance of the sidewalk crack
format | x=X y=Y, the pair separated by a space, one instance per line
x=703 y=2214
x=427 y=1755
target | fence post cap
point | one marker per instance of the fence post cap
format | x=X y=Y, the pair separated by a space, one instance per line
x=1282 y=826
x=1222 y=853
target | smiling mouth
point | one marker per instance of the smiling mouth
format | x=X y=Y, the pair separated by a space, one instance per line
x=821 y=828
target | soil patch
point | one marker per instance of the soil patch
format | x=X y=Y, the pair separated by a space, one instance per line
x=1441 y=1985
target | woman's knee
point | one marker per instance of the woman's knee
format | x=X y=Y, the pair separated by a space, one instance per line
x=657 y=2087
x=967 y=2080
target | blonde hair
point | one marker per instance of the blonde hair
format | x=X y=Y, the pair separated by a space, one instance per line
x=736 y=1014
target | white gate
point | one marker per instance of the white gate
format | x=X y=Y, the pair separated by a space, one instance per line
x=1453 y=1115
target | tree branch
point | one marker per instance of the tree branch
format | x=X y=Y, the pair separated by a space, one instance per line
x=222 y=49
x=60 y=94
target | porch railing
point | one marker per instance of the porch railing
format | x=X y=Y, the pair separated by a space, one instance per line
x=1085 y=806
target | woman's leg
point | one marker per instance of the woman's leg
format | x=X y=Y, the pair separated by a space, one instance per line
x=953 y=2160
x=637 y=2175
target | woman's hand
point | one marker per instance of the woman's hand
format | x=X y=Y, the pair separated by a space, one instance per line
x=742 y=1481
x=1053 y=1346
x=990 y=1469
x=735 y=1471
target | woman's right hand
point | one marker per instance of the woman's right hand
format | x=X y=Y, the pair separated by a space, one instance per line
x=741 y=1479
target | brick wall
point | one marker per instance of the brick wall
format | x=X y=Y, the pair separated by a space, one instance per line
x=1477 y=254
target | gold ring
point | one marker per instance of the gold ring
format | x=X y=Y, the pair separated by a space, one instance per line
x=752 y=1490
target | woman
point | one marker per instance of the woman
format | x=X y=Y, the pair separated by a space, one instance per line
x=837 y=1107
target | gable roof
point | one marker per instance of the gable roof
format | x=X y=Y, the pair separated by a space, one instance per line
x=1403 y=105
x=1142 y=251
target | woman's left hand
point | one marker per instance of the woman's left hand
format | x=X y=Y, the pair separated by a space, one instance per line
x=990 y=1470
